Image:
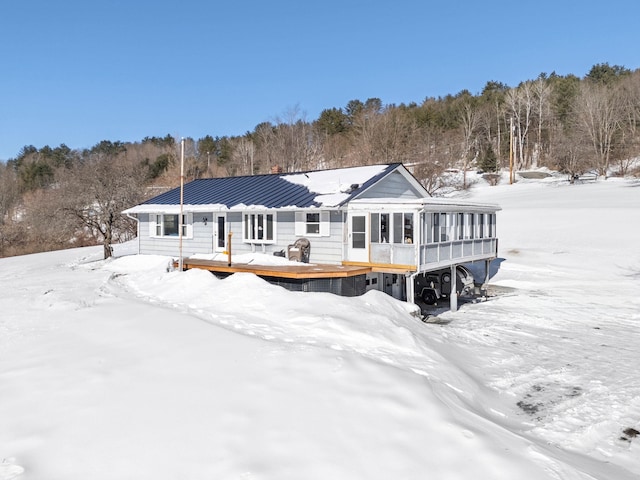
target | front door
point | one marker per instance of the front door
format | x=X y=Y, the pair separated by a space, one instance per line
x=220 y=233
x=358 y=248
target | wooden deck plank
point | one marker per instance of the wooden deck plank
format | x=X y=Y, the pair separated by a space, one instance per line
x=301 y=271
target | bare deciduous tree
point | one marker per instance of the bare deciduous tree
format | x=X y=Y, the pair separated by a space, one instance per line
x=520 y=103
x=96 y=191
x=469 y=120
x=542 y=93
x=244 y=154
x=598 y=115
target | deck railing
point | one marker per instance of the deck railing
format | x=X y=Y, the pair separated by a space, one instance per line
x=433 y=255
x=458 y=251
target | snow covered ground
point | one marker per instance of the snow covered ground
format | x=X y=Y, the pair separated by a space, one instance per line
x=124 y=369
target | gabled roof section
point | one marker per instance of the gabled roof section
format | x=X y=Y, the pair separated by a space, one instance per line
x=322 y=188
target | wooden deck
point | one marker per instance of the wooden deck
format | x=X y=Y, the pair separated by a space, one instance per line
x=301 y=271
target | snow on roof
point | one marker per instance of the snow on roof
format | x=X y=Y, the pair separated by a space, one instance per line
x=333 y=187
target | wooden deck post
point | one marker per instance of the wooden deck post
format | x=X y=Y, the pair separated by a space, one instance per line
x=229 y=248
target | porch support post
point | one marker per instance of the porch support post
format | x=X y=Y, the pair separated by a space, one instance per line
x=410 y=288
x=487 y=271
x=453 y=297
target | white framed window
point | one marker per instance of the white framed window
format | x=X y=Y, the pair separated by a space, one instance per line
x=258 y=227
x=168 y=225
x=441 y=224
x=491 y=224
x=312 y=224
x=469 y=226
x=380 y=227
x=392 y=227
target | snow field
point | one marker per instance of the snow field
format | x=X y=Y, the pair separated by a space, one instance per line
x=126 y=369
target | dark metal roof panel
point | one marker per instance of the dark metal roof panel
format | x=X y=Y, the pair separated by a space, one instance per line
x=271 y=191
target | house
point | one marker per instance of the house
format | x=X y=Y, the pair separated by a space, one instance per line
x=376 y=225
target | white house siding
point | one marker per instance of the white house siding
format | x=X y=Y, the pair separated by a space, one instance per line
x=323 y=249
x=328 y=249
x=393 y=186
x=201 y=242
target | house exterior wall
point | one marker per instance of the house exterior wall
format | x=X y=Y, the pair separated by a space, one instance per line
x=201 y=241
x=324 y=249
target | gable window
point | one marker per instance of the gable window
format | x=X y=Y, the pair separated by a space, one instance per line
x=312 y=224
x=168 y=225
x=258 y=228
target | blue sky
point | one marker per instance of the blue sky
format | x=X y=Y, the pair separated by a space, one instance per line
x=78 y=72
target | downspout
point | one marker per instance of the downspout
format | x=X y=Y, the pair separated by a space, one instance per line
x=137 y=229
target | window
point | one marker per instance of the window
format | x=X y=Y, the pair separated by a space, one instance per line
x=167 y=225
x=312 y=224
x=379 y=228
x=259 y=228
x=435 y=227
x=399 y=224
x=460 y=226
x=170 y=225
x=470 y=226
x=221 y=232
x=440 y=228
x=408 y=228
x=359 y=231
x=481 y=225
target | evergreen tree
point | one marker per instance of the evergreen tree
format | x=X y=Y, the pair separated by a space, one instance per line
x=488 y=161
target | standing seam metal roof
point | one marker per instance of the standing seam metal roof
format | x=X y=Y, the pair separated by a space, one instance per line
x=271 y=191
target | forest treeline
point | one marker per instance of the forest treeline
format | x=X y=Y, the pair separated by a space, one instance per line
x=58 y=197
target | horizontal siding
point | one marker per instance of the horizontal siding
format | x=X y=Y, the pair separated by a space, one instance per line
x=392 y=186
x=323 y=249
x=202 y=241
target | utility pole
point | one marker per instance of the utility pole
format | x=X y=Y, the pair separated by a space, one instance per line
x=180 y=220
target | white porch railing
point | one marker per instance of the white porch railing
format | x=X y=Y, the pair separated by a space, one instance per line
x=433 y=255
